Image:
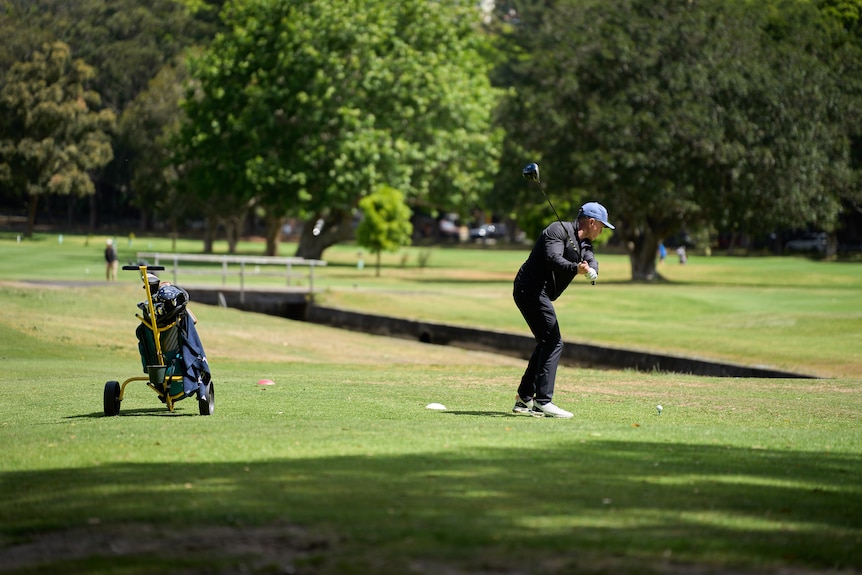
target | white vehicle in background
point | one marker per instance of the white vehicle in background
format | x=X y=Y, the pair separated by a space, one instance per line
x=489 y=232
x=813 y=242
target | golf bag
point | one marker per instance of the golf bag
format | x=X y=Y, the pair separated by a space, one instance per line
x=182 y=350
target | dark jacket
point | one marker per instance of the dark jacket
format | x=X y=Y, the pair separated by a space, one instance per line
x=553 y=262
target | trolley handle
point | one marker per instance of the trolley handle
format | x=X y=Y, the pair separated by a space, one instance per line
x=136 y=268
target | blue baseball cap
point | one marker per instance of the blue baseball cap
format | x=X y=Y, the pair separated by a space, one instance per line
x=596 y=211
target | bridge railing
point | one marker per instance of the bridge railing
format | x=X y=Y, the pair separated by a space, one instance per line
x=245 y=267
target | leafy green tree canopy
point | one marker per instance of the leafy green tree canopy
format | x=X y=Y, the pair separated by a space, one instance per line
x=126 y=42
x=53 y=132
x=678 y=113
x=145 y=129
x=385 y=224
x=307 y=106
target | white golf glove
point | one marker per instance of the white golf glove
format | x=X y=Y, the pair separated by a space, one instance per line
x=592 y=274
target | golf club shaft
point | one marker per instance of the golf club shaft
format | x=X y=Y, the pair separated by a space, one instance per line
x=538 y=183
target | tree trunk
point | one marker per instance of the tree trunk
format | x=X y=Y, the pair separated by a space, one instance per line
x=731 y=243
x=94 y=203
x=70 y=211
x=643 y=248
x=31 y=216
x=378 y=264
x=273 y=234
x=831 y=246
x=174 y=232
x=209 y=235
x=336 y=227
x=232 y=228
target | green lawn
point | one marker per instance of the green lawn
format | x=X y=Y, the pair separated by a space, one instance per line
x=339 y=468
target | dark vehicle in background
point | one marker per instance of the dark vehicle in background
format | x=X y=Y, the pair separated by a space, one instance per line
x=680 y=240
x=811 y=242
x=850 y=247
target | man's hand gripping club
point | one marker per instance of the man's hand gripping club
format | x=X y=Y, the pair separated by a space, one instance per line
x=585 y=269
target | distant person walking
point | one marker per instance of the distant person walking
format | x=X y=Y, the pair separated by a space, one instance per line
x=111 y=261
x=683 y=257
x=662 y=252
x=551 y=266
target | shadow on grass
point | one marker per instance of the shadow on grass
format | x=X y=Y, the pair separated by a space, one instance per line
x=157 y=411
x=480 y=413
x=591 y=498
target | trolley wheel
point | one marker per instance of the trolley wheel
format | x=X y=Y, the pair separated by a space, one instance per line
x=206 y=405
x=112 y=398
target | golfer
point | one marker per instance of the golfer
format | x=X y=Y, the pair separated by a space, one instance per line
x=562 y=251
x=111 y=261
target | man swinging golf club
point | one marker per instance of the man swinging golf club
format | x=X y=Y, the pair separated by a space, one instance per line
x=562 y=251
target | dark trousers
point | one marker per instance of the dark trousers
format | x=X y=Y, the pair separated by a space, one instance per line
x=538 y=311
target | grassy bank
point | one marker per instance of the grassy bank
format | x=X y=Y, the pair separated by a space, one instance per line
x=791 y=314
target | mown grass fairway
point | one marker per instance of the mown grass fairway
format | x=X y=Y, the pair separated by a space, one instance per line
x=339 y=468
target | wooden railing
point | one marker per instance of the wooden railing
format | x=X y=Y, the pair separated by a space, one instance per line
x=228 y=267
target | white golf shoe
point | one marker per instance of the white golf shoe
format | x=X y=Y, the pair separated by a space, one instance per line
x=527 y=407
x=551 y=410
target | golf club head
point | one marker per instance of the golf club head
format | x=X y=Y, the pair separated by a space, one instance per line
x=531 y=171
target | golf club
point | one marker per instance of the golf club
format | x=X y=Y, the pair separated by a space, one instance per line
x=531 y=172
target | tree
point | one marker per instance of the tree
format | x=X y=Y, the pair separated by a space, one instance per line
x=126 y=42
x=53 y=133
x=385 y=224
x=146 y=129
x=843 y=26
x=679 y=114
x=306 y=106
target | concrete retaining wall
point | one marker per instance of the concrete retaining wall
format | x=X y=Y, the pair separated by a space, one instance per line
x=575 y=354
x=300 y=306
x=288 y=304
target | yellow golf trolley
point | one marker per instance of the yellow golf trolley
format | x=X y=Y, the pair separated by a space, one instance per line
x=172 y=355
